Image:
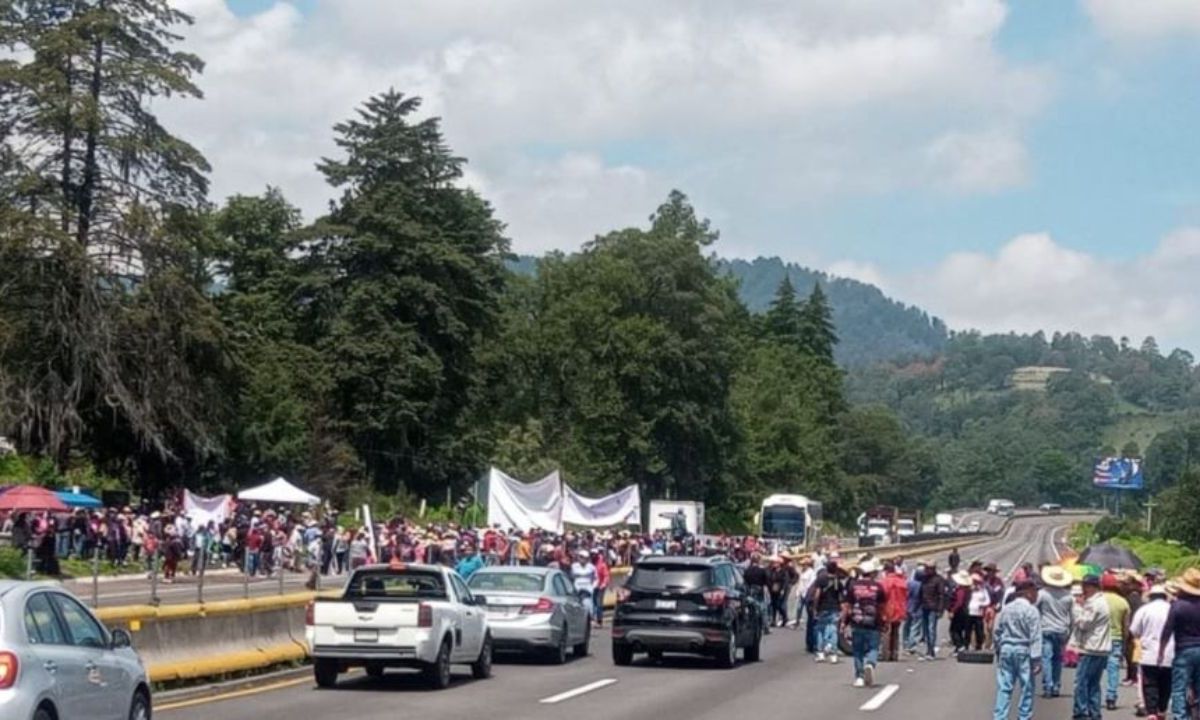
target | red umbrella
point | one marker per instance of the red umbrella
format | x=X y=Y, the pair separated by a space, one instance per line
x=30 y=498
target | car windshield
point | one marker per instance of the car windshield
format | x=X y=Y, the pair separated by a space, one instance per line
x=506 y=582
x=669 y=577
x=399 y=584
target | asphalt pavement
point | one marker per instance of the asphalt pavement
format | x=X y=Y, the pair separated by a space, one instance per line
x=788 y=683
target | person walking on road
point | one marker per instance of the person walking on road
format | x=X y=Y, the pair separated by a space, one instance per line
x=1118 y=616
x=912 y=624
x=895 y=586
x=1018 y=643
x=1091 y=633
x=827 y=599
x=1147 y=628
x=755 y=577
x=865 y=600
x=933 y=604
x=1054 y=602
x=1183 y=626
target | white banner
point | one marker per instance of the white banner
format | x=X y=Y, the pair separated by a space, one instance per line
x=623 y=507
x=514 y=504
x=203 y=510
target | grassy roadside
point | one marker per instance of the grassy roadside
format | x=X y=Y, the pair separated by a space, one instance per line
x=1154 y=552
x=12 y=565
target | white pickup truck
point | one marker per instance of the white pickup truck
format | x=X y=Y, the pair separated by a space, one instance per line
x=420 y=616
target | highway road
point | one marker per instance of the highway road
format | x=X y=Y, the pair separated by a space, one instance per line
x=786 y=684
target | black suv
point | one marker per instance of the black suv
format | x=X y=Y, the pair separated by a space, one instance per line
x=688 y=605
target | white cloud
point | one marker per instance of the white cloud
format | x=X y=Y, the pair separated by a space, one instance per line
x=576 y=116
x=991 y=160
x=861 y=271
x=1143 y=20
x=1033 y=283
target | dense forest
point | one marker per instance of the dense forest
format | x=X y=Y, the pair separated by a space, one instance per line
x=872 y=327
x=153 y=337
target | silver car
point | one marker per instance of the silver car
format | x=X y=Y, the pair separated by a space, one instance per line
x=58 y=662
x=533 y=610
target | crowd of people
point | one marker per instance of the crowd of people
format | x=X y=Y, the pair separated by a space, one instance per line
x=1117 y=628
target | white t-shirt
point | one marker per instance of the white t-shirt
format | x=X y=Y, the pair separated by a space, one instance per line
x=1147 y=627
x=584 y=575
x=980 y=599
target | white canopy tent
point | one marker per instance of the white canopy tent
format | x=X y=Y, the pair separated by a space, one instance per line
x=279 y=491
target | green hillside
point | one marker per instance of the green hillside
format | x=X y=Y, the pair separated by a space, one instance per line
x=871 y=327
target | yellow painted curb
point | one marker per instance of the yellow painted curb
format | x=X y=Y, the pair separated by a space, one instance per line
x=149 y=613
x=227 y=663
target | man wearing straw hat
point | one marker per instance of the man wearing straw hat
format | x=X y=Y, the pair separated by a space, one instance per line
x=1054 y=603
x=1183 y=626
x=863 y=608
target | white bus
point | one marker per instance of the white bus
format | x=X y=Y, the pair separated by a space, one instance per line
x=791 y=519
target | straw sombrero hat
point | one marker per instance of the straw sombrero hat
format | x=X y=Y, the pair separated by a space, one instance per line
x=961 y=578
x=1189 y=583
x=1057 y=576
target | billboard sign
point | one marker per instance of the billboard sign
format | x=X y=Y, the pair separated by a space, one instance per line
x=1119 y=474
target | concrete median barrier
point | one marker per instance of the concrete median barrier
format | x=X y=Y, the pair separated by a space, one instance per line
x=183 y=642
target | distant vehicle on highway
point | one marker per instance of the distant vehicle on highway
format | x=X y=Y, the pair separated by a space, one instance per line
x=1050 y=508
x=416 y=616
x=693 y=605
x=928 y=529
x=974 y=526
x=534 y=610
x=58 y=662
x=943 y=523
x=791 y=519
x=997 y=507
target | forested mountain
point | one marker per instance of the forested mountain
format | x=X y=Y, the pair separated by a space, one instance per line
x=871 y=326
x=386 y=350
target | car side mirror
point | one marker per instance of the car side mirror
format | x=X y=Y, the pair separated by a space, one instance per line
x=480 y=600
x=120 y=639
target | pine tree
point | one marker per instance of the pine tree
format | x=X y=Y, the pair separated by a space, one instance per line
x=783 y=320
x=103 y=279
x=418 y=270
x=817 y=332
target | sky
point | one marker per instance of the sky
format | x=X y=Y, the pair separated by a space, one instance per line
x=1018 y=165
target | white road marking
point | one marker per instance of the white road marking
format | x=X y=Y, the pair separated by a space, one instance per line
x=1054 y=545
x=880 y=698
x=577 y=691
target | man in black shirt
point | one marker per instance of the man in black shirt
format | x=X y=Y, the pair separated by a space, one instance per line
x=827 y=601
x=864 y=602
x=755 y=577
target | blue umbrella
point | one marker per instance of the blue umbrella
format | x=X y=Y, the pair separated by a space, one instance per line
x=78 y=500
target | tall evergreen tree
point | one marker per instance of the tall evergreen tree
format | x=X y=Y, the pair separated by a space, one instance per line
x=103 y=274
x=817 y=331
x=784 y=321
x=418 y=268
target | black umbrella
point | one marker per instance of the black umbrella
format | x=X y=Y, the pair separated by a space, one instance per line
x=1110 y=557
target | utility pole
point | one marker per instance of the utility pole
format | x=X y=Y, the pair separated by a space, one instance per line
x=1150 y=505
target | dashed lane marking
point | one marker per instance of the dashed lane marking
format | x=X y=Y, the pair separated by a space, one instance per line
x=553 y=699
x=880 y=698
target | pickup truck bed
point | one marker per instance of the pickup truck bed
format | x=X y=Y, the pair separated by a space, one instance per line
x=416 y=616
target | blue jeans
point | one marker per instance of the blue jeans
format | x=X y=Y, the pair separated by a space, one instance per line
x=865 y=643
x=1088 y=675
x=1052 y=661
x=929 y=621
x=1114 y=670
x=827 y=632
x=1185 y=673
x=913 y=630
x=1013 y=666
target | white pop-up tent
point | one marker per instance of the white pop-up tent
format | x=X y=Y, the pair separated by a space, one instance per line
x=279 y=491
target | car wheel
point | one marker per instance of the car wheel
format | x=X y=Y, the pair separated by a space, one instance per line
x=437 y=673
x=558 y=653
x=481 y=669
x=622 y=654
x=139 y=709
x=325 y=672
x=43 y=713
x=375 y=670
x=656 y=656
x=581 y=650
x=753 y=652
x=727 y=656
